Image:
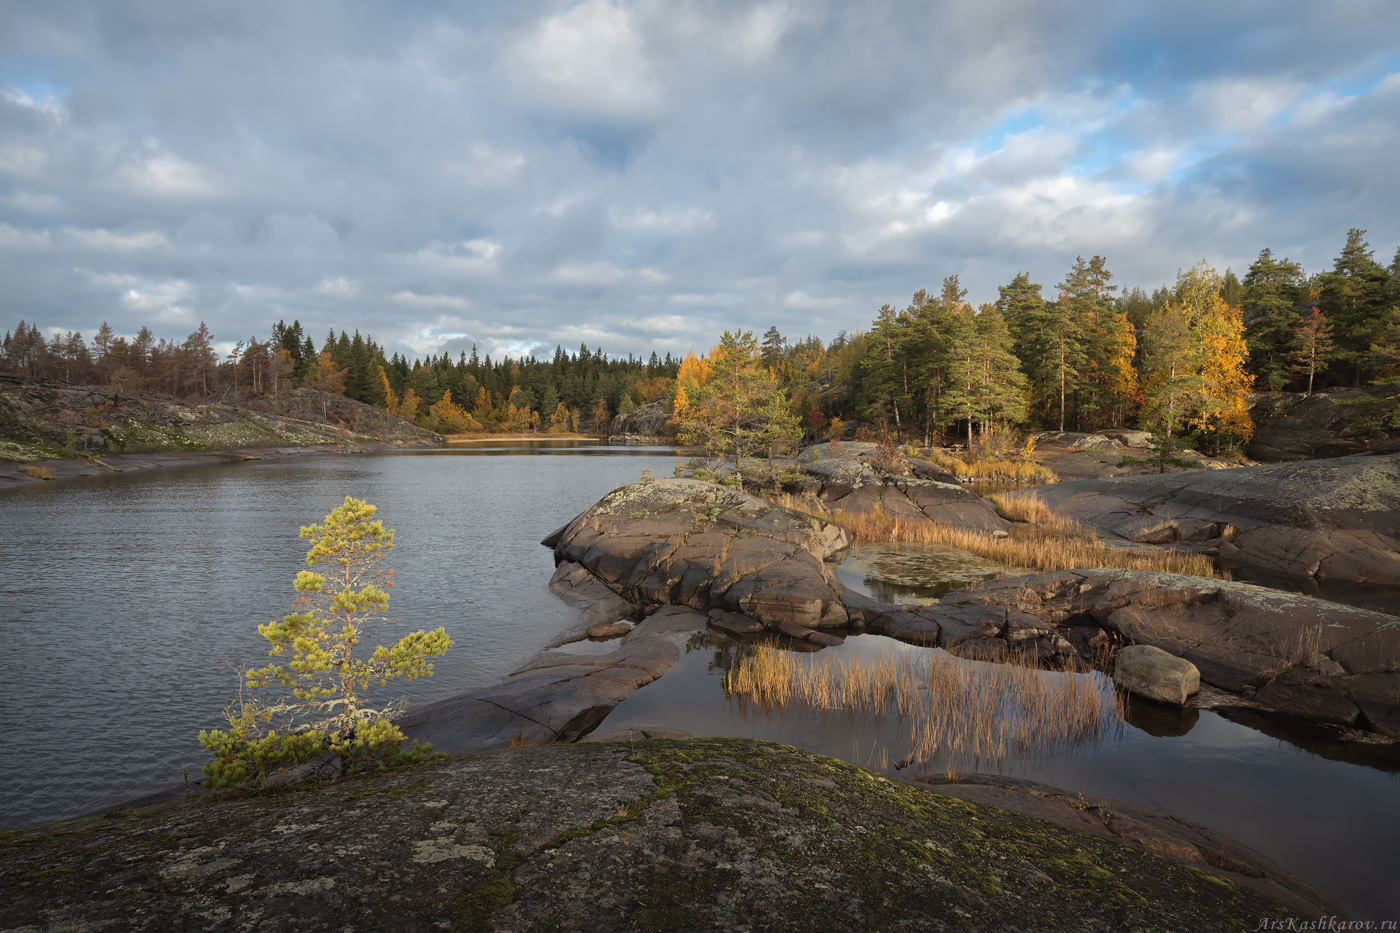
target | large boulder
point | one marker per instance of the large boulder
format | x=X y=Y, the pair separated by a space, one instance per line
x=1328 y=519
x=859 y=479
x=690 y=543
x=1331 y=423
x=648 y=421
x=1156 y=674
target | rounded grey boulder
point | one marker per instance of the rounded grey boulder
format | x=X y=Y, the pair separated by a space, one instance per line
x=1156 y=674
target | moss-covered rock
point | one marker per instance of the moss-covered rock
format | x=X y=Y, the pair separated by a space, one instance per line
x=715 y=834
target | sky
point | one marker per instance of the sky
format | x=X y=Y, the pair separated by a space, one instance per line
x=641 y=176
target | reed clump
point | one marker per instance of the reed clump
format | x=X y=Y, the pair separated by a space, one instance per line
x=1032 y=510
x=1031 y=546
x=1020 y=472
x=964 y=712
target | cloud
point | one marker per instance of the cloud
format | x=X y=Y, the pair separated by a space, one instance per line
x=649 y=173
x=338 y=287
x=588 y=57
x=413 y=300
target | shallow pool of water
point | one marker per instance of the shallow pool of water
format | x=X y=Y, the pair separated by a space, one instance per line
x=901 y=573
x=1334 y=824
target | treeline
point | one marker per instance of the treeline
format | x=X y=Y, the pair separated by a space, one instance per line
x=1084 y=357
x=570 y=392
x=1089 y=356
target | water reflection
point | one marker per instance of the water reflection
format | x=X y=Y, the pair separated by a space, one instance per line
x=903 y=573
x=938 y=713
x=1332 y=823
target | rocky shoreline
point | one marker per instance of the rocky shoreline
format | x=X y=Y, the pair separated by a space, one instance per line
x=716 y=834
x=513 y=835
x=53 y=430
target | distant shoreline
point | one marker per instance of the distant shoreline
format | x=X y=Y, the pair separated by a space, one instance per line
x=13 y=473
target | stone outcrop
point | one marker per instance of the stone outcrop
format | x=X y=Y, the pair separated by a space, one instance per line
x=689 y=543
x=42 y=421
x=1328 y=519
x=1330 y=423
x=717 y=834
x=751 y=567
x=858 y=479
x=557 y=696
x=1156 y=674
x=647 y=422
x=1316 y=660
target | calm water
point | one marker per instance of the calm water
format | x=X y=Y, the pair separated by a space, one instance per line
x=1334 y=824
x=121 y=596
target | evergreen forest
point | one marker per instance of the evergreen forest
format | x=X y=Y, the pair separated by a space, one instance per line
x=1081 y=354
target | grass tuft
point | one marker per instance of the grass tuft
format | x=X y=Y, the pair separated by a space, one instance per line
x=1019 y=472
x=1052 y=543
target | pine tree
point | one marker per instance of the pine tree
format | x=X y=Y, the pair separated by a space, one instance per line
x=1269 y=300
x=1353 y=298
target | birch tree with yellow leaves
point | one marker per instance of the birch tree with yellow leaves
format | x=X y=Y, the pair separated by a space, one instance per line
x=1200 y=376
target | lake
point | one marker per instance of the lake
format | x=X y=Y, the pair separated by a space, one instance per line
x=122 y=597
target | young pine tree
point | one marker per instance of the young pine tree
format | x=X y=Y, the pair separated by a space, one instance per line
x=326 y=677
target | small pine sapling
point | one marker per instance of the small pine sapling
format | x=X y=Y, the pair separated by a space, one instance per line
x=326 y=711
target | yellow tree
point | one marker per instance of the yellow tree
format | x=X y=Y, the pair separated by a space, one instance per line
x=559 y=421
x=381 y=379
x=329 y=377
x=740 y=410
x=408 y=408
x=447 y=417
x=1217 y=332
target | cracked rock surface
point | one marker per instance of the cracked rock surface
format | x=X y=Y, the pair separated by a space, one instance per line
x=716 y=834
x=1329 y=519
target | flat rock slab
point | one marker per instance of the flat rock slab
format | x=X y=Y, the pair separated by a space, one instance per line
x=854 y=478
x=1307 y=657
x=1170 y=836
x=557 y=696
x=716 y=834
x=1328 y=519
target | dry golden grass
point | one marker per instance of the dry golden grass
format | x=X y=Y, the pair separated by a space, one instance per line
x=1030 y=546
x=994 y=471
x=1032 y=510
x=962 y=711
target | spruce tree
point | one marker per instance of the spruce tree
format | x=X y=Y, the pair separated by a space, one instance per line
x=1269 y=299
